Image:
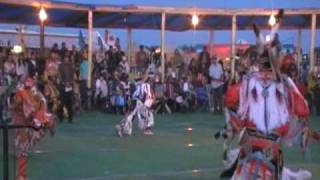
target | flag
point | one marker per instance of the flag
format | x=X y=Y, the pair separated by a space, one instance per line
x=82 y=42
x=106 y=36
x=101 y=44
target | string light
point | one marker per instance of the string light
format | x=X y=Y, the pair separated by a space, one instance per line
x=158 y=50
x=43 y=14
x=195 y=20
x=17 y=49
x=272 y=20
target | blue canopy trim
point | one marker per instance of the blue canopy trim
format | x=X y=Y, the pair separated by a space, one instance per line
x=27 y=14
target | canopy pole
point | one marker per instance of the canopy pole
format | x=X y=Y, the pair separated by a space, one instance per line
x=313 y=40
x=211 y=42
x=42 y=43
x=233 y=45
x=298 y=47
x=90 y=47
x=163 y=29
x=129 y=45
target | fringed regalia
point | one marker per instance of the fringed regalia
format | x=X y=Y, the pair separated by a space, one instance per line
x=29 y=109
x=266 y=110
x=141 y=113
x=52 y=96
x=263 y=110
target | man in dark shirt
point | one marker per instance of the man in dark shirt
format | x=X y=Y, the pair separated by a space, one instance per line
x=66 y=89
x=66 y=70
x=63 y=50
x=141 y=60
x=32 y=66
x=204 y=62
x=112 y=61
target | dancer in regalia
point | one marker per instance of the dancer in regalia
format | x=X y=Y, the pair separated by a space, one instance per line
x=263 y=109
x=29 y=109
x=142 y=113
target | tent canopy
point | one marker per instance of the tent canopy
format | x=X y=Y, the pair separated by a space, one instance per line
x=136 y=17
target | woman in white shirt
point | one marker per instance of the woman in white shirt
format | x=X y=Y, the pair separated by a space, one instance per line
x=9 y=66
x=21 y=68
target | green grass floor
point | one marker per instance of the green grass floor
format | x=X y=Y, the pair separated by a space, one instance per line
x=89 y=150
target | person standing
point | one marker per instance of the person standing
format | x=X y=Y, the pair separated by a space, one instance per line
x=32 y=66
x=21 y=68
x=204 y=62
x=9 y=68
x=216 y=79
x=141 y=60
x=84 y=71
x=66 y=89
x=29 y=108
x=178 y=62
x=63 y=51
x=52 y=68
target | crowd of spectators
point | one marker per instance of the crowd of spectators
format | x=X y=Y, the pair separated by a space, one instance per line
x=195 y=83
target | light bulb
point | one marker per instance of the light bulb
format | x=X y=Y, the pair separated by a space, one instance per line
x=17 y=49
x=43 y=14
x=272 y=20
x=195 y=20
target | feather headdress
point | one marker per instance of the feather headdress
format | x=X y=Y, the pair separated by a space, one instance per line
x=268 y=51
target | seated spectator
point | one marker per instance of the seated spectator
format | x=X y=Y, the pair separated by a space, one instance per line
x=193 y=67
x=201 y=96
x=124 y=65
x=171 y=93
x=119 y=99
x=188 y=94
x=160 y=104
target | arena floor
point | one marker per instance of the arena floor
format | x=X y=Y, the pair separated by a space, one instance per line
x=89 y=150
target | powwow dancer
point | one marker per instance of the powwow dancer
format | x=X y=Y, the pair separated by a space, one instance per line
x=261 y=110
x=141 y=113
x=51 y=94
x=29 y=108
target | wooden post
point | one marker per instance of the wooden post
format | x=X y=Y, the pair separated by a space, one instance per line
x=90 y=47
x=163 y=31
x=298 y=47
x=233 y=45
x=42 y=43
x=313 y=40
x=211 y=42
x=129 y=46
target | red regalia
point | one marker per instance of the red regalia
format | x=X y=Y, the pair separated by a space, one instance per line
x=30 y=109
x=265 y=104
x=264 y=109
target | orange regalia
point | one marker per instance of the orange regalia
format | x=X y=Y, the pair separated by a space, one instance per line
x=29 y=109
